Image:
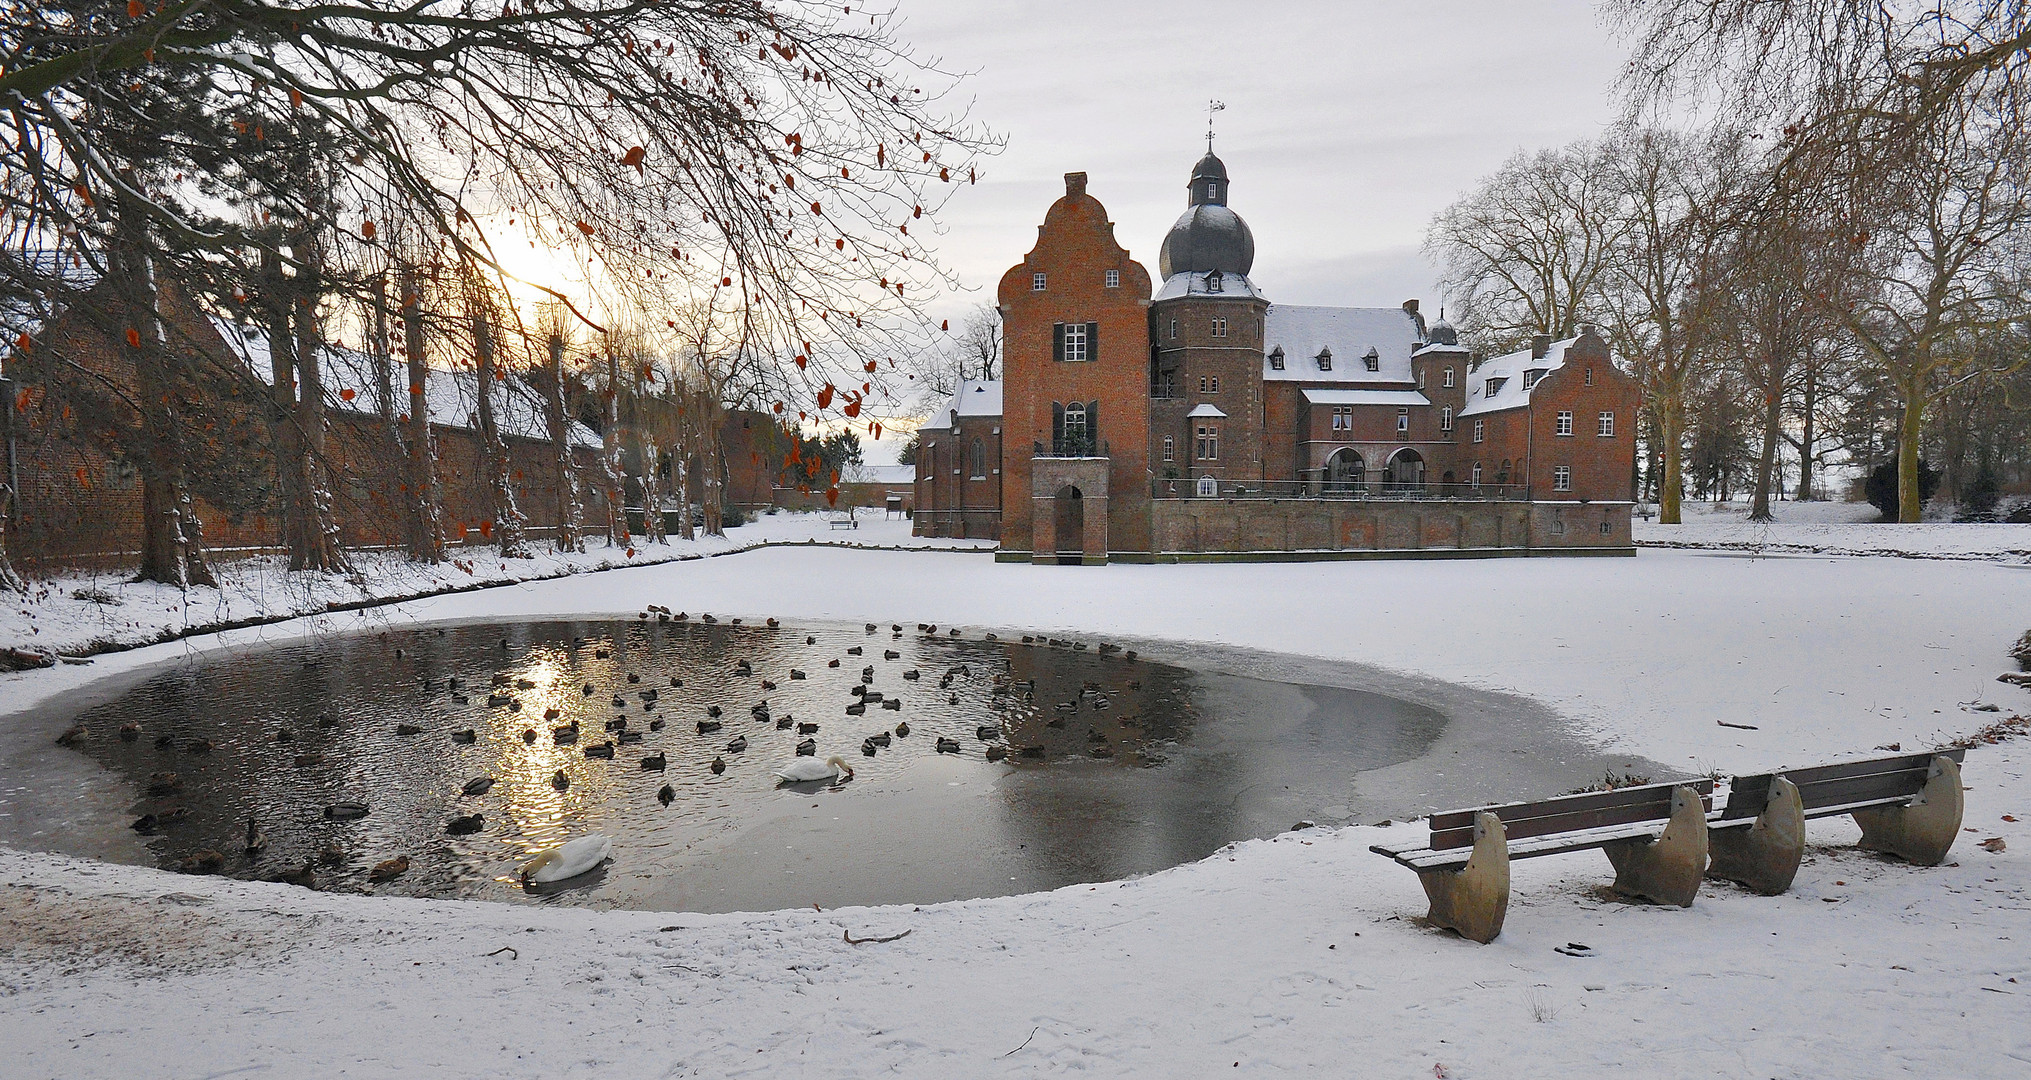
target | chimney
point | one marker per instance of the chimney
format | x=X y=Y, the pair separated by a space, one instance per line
x=1540 y=344
x=1410 y=309
x=1075 y=184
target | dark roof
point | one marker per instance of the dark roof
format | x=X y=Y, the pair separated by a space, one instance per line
x=1209 y=236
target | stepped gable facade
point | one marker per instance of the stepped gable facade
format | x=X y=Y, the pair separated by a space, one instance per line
x=1200 y=420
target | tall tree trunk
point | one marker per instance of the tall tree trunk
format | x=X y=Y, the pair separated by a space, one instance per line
x=1909 y=505
x=172 y=544
x=275 y=307
x=1759 y=510
x=322 y=551
x=610 y=446
x=508 y=522
x=560 y=445
x=426 y=528
x=1671 y=439
x=712 y=467
x=1809 y=407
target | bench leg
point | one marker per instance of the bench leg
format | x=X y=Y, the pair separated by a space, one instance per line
x=1473 y=899
x=1667 y=869
x=1922 y=830
x=1765 y=856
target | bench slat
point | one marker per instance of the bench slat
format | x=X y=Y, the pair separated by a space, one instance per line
x=1650 y=802
x=1425 y=858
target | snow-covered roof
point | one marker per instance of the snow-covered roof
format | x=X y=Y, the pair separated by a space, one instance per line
x=1204 y=409
x=975 y=397
x=880 y=475
x=449 y=395
x=1232 y=286
x=1508 y=373
x=1304 y=332
x=1392 y=398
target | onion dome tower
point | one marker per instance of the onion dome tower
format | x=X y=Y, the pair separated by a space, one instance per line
x=1209 y=237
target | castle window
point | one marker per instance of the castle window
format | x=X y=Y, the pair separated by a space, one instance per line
x=1219 y=327
x=1420 y=379
x=1448 y=381
x=1403 y=421
x=1212 y=189
x=1480 y=429
x=1562 y=478
x=1114 y=279
x=979 y=460
x=1208 y=487
x=1477 y=474
x=1075 y=342
x=1325 y=359
x=1276 y=358
x=1075 y=425
x=1589 y=378
x=1214 y=385
x=1565 y=422
x=1373 y=360
x=1216 y=282
x=1607 y=428
x=1446 y=419
x=1036 y=283
x=1202 y=384
x=1343 y=418
x=1170 y=449
x=1207 y=446
x=1174 y=329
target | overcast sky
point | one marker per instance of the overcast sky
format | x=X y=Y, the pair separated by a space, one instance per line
x=1348 y=124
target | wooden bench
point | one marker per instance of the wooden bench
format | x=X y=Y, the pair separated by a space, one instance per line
x=1908 y=805
x=845 y=523
x=1655 y=835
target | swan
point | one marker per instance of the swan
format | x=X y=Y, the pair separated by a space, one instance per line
x=568 y=861
x=805 y=770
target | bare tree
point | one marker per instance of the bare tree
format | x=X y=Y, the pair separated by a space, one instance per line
x=1528 y=250
x=424 y=499
x=505 y=518
x=557 y=420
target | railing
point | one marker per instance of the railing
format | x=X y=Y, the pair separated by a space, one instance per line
x=1185 y=487
x=1071 y=448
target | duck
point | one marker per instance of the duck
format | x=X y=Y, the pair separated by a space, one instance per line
x=305 y=761
x=467 y=825
x=479 y=785
x=284 y=735
x=855 y=651
x=389 y=870
x=590 y=689
x=71 y=737
x=655 y=762
x=552 y=714
x=257 y=841
x=807 y=748
x=303 y=877
x=913 y=675
x=880 y=738
x=893 y=704
x=197 y=746
x=714 y=711
x=164 y=783
x=565 y=735
x=406 y=730
x=870 y=628
x=783 y=722
x=345 y=811
x=630 y=738
x=466 y=737
x=666 y=795
x=739 y=744
x=832 y=663
x=634 y=678
x=529 y=736
x=857 y=708
x=947 y=746
x=985 y=732
x=903 y=729
x=602 y=750
x=333 y=854
x=995 y=752
x=807 y=769
x=807 y=728
x=707 y=727
x=810 y=639
x=797 y=675
x=891 y=654
x=560 y=781
x=202 y=862
x=768 y=684
x=718 y=765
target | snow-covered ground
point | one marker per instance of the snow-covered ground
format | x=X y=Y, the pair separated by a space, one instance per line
x=1300 y=954
x=1836 y=528
x=86 y=611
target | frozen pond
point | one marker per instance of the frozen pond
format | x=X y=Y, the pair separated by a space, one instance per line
x=1114 y=765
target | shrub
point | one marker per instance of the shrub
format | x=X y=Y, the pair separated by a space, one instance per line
x=1882 y=487
x=732 y=517
x=1978 y=502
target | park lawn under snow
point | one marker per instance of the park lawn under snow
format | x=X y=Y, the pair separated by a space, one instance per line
x=1833 y=528
x=1298 y=954
x=115 y=611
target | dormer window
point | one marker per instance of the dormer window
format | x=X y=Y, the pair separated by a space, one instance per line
x=1276 y=358
x=1216 y=282
x=1495 y=386
x=1372 y=359
x=1531 y=376
x=1325 y=359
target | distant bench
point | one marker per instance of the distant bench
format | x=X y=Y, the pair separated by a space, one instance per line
x=1908 y=806
x=1659 y=836
x=845 y=523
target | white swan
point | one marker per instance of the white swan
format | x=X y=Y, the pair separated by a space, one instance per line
x=569 y=860
x=804 y=770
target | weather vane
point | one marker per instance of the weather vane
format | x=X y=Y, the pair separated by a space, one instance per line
x=1211 y=108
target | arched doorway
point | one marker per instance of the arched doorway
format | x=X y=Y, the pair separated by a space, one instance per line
x=1346 y=473
x=1069 y=512
x=1406 y=472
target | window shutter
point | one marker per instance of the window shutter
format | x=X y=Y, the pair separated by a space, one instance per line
x=1093 y=421
x=1057 y=421
x=1093 y=341
x=1058 y=342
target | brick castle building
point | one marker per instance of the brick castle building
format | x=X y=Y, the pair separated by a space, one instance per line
x=1199 y=420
